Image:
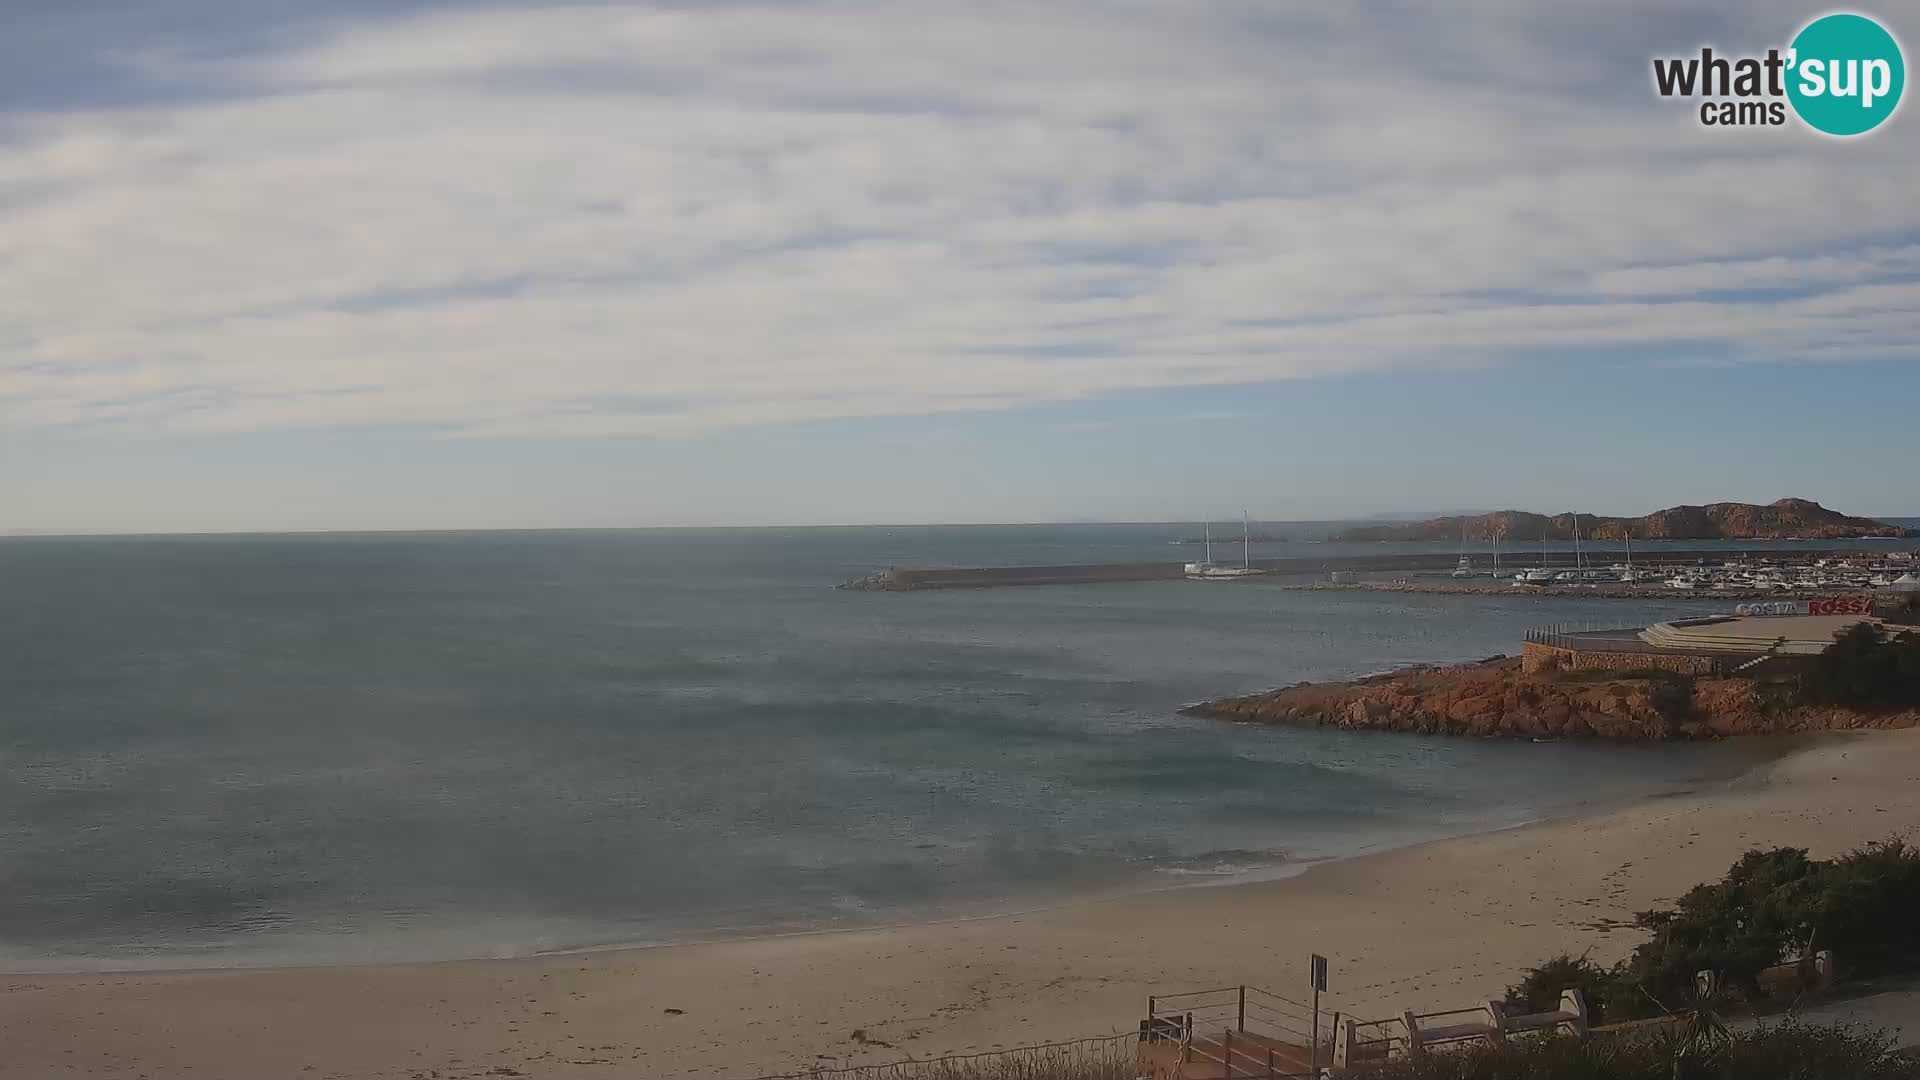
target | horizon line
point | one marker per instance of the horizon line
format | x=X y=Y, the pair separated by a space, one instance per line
x=57 y=534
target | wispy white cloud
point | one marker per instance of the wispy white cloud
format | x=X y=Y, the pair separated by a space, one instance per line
x=593 y=220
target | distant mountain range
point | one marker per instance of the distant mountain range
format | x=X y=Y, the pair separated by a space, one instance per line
x=1402 y=515
x=1785 y=519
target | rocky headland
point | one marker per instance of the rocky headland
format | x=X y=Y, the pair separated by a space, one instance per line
x=1800 y=519
x=1496 y=698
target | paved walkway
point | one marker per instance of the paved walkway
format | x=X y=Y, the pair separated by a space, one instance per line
x=1890 y=1004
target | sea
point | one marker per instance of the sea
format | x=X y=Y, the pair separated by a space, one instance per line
x=352 y=748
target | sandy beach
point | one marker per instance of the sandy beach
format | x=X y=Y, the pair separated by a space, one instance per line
x=1439 y=925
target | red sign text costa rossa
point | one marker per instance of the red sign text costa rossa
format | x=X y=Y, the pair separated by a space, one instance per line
x=1845 y=605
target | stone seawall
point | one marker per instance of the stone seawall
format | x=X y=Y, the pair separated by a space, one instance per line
x=1536 y=658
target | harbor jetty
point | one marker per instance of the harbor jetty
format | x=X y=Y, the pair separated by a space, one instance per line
x=914 y=579
x=902 y=579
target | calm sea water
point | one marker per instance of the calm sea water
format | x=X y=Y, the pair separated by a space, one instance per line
x=341 y=748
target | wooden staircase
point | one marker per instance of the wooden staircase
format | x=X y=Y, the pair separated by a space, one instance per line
x=1228 y=1055
x=1239 y=1033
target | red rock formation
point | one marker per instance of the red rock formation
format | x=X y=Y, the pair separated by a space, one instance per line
x=1497 y=698
x=1714 y=521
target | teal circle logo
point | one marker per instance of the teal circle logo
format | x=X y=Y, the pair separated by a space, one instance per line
x=1845 y=74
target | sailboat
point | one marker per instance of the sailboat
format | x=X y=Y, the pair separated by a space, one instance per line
x=1212 y=571
x=1465 y=568
x=1578 y=567
x=1542 y=575
x=1629 y=574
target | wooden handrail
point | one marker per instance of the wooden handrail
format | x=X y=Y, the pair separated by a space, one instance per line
x=1450 y=1012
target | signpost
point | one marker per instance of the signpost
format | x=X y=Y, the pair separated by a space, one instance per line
x=1318 y=976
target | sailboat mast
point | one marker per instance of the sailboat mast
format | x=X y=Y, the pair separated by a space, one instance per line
x=1206 y=529
x=1246 y=541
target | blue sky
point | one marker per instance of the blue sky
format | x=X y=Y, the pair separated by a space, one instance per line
x=301 y=265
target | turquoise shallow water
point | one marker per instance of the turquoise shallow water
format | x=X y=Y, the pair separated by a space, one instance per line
x=318 y=749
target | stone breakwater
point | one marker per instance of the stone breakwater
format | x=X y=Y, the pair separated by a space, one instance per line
x=1495 y=697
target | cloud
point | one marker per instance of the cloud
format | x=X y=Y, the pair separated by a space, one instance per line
x=592 y=220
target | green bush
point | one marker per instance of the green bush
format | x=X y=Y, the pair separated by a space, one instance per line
x=1765 y=908
x=1867 y=905
x=1539 y=989
x=1780 y=1052
x=1771 y=907
x=1865 y=669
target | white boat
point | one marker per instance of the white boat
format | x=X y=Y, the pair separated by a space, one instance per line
x=1212 y=571
x=1465 y=568
x=1196 y=569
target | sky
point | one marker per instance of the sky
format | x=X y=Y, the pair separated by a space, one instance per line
x=268 y=264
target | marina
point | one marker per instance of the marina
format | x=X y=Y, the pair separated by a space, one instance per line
x=1721 y=572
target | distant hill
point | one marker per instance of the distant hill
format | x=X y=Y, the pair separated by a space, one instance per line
x=1786 y=518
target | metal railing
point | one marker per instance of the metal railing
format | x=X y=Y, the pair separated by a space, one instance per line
x=1242 y=1008
x=1593 y=637
x=1364 y=1040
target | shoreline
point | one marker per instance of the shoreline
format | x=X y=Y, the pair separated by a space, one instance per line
x=1437 y=924
x=1737 y=759
x=1169 y=881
